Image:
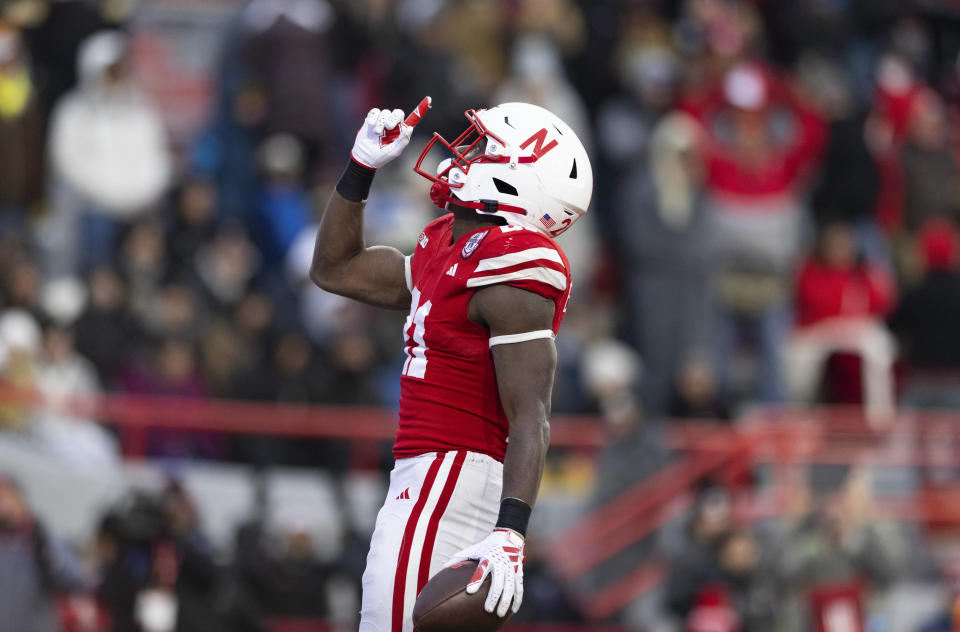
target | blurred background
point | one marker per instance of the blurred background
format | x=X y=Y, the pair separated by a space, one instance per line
x=756 y=418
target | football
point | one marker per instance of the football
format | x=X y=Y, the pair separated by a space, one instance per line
x=444 y=605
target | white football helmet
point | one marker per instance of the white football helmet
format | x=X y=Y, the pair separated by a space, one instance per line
x=517 y=161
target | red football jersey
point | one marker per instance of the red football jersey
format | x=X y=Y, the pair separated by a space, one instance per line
x=449 y=398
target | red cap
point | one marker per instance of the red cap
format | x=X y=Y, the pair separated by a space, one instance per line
x=938 y=244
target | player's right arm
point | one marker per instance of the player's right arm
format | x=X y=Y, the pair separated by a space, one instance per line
x=342 y=262
x=344 y=265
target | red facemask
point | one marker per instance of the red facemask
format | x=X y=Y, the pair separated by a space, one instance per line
x=466 y=150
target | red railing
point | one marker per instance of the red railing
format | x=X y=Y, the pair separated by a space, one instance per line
x=779 y=438
x=134 y=414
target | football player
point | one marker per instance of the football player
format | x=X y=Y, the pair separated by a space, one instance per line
x=486 y=289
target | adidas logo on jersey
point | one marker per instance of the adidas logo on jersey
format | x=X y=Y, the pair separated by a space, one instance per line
x=452 y=271
x=404 y=495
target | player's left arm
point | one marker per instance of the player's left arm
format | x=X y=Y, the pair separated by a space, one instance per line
x=525 y=371
x=525 y=358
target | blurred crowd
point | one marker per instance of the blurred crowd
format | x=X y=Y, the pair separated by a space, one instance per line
x=776 y=196
x=775 y=217
x=151 y=568
x=828 y=563
x=776 y=200
x=831 y=562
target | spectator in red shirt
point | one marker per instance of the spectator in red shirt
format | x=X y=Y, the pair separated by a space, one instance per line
x=763 y=142
x=906 y=134
x=834 y=283
x=840 y=303
x=764 y=138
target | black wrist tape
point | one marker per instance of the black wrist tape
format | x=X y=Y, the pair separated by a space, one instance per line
x=354 y=184
x=514 y=515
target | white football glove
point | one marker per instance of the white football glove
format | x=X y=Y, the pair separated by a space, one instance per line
x=385 y=134
x=500 y=553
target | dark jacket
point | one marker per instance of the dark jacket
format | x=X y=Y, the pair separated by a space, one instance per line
x=926 y=320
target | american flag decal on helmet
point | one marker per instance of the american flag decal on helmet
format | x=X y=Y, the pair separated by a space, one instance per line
x=547 y=221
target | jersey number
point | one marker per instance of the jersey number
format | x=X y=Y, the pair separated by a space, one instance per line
x=416 y=364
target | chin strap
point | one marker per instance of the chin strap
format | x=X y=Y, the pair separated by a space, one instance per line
x=441 y=194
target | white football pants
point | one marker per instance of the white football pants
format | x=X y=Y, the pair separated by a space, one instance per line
x=437 y=504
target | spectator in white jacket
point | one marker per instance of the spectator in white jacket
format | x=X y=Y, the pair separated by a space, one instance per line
x=109 y=155
x=64 y=426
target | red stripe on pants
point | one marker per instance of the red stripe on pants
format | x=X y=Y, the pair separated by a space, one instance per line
x=432 y=526
x=403 y=559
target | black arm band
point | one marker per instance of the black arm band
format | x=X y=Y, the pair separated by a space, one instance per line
x=354 y=184
x=514 y=515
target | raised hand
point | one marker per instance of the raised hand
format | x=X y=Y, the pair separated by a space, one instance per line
x=385 y=134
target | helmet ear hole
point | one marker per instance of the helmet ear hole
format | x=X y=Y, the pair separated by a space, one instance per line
x=505 y=187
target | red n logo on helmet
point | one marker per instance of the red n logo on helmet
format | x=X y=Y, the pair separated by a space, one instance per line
x=539 y=138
